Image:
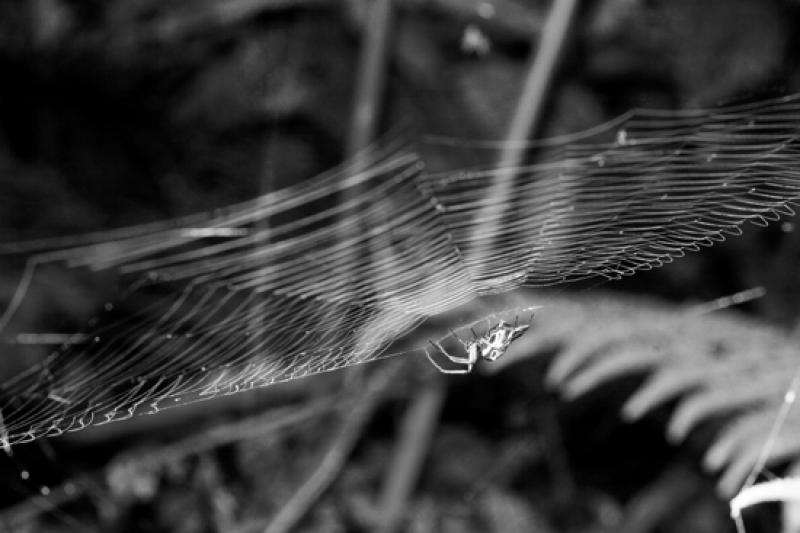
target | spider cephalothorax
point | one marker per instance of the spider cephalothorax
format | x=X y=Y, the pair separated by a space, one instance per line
x=490 y=346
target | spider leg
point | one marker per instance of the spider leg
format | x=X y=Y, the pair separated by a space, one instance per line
x=517 y=333
x=446 y=370
x=465 y=370
x=456 y=336
x=473 y=333
x=454 y=358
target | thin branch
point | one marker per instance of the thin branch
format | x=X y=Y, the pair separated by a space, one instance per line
x=371 y=77
x=419 y=425
x=526 y=120
x=528 y=113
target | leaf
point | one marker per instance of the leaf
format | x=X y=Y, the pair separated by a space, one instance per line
x=723 y=365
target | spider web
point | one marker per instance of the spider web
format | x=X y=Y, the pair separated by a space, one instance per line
x=331 y=272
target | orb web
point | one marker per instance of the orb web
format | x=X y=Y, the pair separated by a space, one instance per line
x=331 y=272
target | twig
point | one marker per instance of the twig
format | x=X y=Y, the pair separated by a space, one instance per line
x=418 y=427
x=371 y=78
x=727 y=301
x=526 y=120
x=334 y=459
x=528 y=113
x=19 y=293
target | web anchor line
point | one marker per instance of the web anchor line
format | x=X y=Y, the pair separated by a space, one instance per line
x=785 y=490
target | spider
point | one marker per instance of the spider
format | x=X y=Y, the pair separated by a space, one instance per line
x=490 y=346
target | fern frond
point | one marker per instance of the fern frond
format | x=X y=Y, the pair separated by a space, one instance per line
x=720 y=396
x=723 y=366
x=618 y=361
x=660 y=388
